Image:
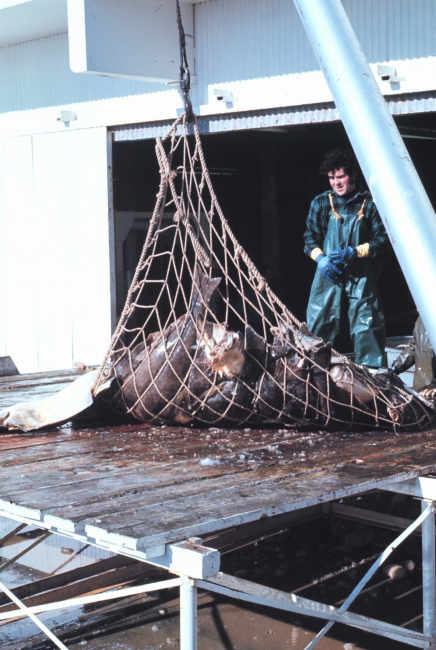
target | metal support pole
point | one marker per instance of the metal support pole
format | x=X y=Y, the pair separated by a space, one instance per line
x=427 y=511
x=428 y=574
x=188 y=614
x=395 y=186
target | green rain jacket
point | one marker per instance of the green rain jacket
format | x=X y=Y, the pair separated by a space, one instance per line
x=319 y=215
x=350 y=221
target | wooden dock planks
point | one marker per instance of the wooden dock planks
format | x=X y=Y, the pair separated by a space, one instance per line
x=138 y=486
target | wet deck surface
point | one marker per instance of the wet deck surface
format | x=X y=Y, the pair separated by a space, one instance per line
x=139 y=486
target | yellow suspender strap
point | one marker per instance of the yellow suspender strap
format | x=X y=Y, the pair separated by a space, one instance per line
x=332 y=205
x=360 y=213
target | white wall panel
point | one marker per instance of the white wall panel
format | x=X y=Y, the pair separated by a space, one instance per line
x=55 y=284
x=36 y=83
x=260 y=51
x=136 y=39
x=257 y=49
x=71 y=212
x=18 y=256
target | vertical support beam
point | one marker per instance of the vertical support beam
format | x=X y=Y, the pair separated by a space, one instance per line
x=188 y=614
x=391 y=176
x=429 y=573
x=111 y=232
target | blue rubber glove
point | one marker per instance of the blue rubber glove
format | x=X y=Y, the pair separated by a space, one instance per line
x=327 y=268
x=343 y=255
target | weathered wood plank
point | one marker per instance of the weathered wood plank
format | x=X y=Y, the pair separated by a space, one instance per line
x=132 y=449
x=142 y=485
x=11 y=441
x=87 y=494
x=39 y=378
x=201 y=514
x=166 y=486
x=32 y=490
x=130 y=441
x=9 y=397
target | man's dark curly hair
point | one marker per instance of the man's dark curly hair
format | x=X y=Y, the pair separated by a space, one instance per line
x=337 y=159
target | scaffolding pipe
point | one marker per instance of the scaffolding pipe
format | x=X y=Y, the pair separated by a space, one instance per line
x=428 y=573
x=400 y=197
x=188 y=614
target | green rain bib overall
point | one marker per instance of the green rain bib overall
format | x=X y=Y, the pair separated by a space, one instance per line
x=359 y=283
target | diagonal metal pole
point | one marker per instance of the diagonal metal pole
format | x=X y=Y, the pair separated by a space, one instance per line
x=391 y=176
x=24 y=551
x=368 y=575
x=12 y=533
x=41 y=625
x=94 y=598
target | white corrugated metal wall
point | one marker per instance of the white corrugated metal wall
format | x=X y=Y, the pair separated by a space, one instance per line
x=261 y=52
x=55 y=252
x=258 y=49
x=36 y=82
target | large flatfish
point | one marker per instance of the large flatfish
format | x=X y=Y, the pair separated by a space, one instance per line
x=220 y=355
x=231 y=401
x=162 y=364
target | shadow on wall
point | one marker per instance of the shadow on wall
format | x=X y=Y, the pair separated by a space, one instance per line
x=37 y=74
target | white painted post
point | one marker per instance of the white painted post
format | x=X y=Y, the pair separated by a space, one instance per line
x=188 y=614
x=428 y=573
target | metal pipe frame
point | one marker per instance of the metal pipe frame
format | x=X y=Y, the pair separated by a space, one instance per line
x=198 y=566
x=188 y=614
x=397 y=190
x=245 y=590
x=428 y=574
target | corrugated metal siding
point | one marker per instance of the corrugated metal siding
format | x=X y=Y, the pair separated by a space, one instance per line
x=257 y=49
x=37 y=74
x=55 y=277
x=389 y=30
x=246 y=39
x=36 y=82
x=249 y=39
x=315 y=114
x=245 y=44
x=18 y=255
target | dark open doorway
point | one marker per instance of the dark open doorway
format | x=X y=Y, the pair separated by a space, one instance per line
x=265 y=181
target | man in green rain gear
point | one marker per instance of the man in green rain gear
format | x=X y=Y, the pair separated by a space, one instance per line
x=347 y=240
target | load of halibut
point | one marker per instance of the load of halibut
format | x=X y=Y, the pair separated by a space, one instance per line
x=196 y=370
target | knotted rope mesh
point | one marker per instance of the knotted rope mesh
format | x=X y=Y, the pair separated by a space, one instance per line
x=202 y=337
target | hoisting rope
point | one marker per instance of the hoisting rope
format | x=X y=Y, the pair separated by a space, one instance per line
x=185 y=75
x=174 y=359
x=161 y=376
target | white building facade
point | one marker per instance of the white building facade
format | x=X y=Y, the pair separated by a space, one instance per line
x=57 y=129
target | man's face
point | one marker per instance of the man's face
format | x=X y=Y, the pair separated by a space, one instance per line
x=341 y=182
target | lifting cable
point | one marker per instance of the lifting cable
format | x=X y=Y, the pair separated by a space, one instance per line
x=185 y=75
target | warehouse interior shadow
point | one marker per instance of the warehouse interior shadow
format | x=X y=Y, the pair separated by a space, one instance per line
x=264 y=180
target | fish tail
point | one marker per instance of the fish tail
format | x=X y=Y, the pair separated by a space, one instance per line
x=202 y=290
x=253 y=340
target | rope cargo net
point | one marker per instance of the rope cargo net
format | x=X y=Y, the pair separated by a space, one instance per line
x=202 y=337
